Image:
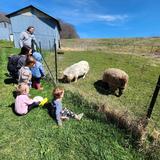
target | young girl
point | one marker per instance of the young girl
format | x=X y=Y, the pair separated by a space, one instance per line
x=25 y=74
x=37 y=71
x=23 y=104
x=62 y=114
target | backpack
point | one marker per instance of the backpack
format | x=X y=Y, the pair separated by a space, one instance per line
x=12 y=65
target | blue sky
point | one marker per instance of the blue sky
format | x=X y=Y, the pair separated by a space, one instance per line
x=99 y=18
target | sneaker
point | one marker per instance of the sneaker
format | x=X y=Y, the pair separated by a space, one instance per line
x=43 y=102
x=60 y=124
x=79 y=116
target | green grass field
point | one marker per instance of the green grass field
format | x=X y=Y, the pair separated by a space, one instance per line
x=143 y=75
x=36 y=135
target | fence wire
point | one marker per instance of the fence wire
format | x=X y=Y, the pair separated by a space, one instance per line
x=136 y=99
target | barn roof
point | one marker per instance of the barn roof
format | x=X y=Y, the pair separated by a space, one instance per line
x=32 y=7
x=3 y=18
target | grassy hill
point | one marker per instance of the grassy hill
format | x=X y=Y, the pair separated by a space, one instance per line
x=36 y=135
x=139 y=46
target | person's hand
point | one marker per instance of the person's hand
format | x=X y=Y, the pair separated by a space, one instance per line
x=65 y=118
x=43 y=77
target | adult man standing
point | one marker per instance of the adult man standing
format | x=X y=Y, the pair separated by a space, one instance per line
x=27 y=38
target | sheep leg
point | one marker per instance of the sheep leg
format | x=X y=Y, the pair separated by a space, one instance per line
x=121 y=91
x=76 y=78
x=113 y=89
x=62 y=78
x=84 y=76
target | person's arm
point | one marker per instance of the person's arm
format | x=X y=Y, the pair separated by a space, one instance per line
x=58 y=108
x=21 y=61
x=42 y=71
x=34 y=41
x=34 y=38
x=28 y=100
x=22 y=36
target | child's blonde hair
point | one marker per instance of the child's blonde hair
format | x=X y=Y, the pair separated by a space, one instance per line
x=57 y=92
x=22 y=88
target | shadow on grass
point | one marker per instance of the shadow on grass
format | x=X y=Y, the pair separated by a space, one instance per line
x=50 y=110
x=10 y=81
x=90 y=109
x=95 y=117
x=64 y=80
x=46 y=106
x=12 y=106
x=131 y=127
x=14 y=93
x=102 y=87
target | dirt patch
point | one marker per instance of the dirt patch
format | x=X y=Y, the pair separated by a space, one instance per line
x=72 y=49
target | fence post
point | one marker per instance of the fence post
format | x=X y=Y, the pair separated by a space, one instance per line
x=154 y=97
x=40 y=49
x=50 y=46
x=55 y=51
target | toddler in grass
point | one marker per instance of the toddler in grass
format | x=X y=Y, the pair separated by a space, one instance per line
x=37 y=71
x=62 y=113
x=25 y=74
x=23 y=104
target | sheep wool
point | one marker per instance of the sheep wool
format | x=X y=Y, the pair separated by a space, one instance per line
x=116 y=79
x=76 y=70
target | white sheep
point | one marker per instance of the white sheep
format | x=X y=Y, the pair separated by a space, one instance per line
x=116 y=79
x=76 y=70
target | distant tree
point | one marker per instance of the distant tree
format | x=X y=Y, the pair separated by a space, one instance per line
x=68 y=31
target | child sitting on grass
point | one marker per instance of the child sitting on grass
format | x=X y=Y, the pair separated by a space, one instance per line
x=23 y=104
x=62 y=114
x=25 y=74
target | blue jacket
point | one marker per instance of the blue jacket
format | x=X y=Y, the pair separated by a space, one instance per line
x=37 y=70
x=58 y=109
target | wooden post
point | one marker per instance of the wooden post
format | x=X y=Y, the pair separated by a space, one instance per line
x=154 y=97
x=55 y=51
x=151 y=49
x=50 y=49
x=46 y=64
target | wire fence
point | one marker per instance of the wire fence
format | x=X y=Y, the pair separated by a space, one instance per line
x=140 y=97
x=131 y=47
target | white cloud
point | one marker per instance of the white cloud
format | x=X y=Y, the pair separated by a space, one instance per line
x=77 y=17
x=80 y=2
x=87 y=11
x=110 y=18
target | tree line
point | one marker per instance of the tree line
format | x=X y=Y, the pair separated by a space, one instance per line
x=68 y=30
